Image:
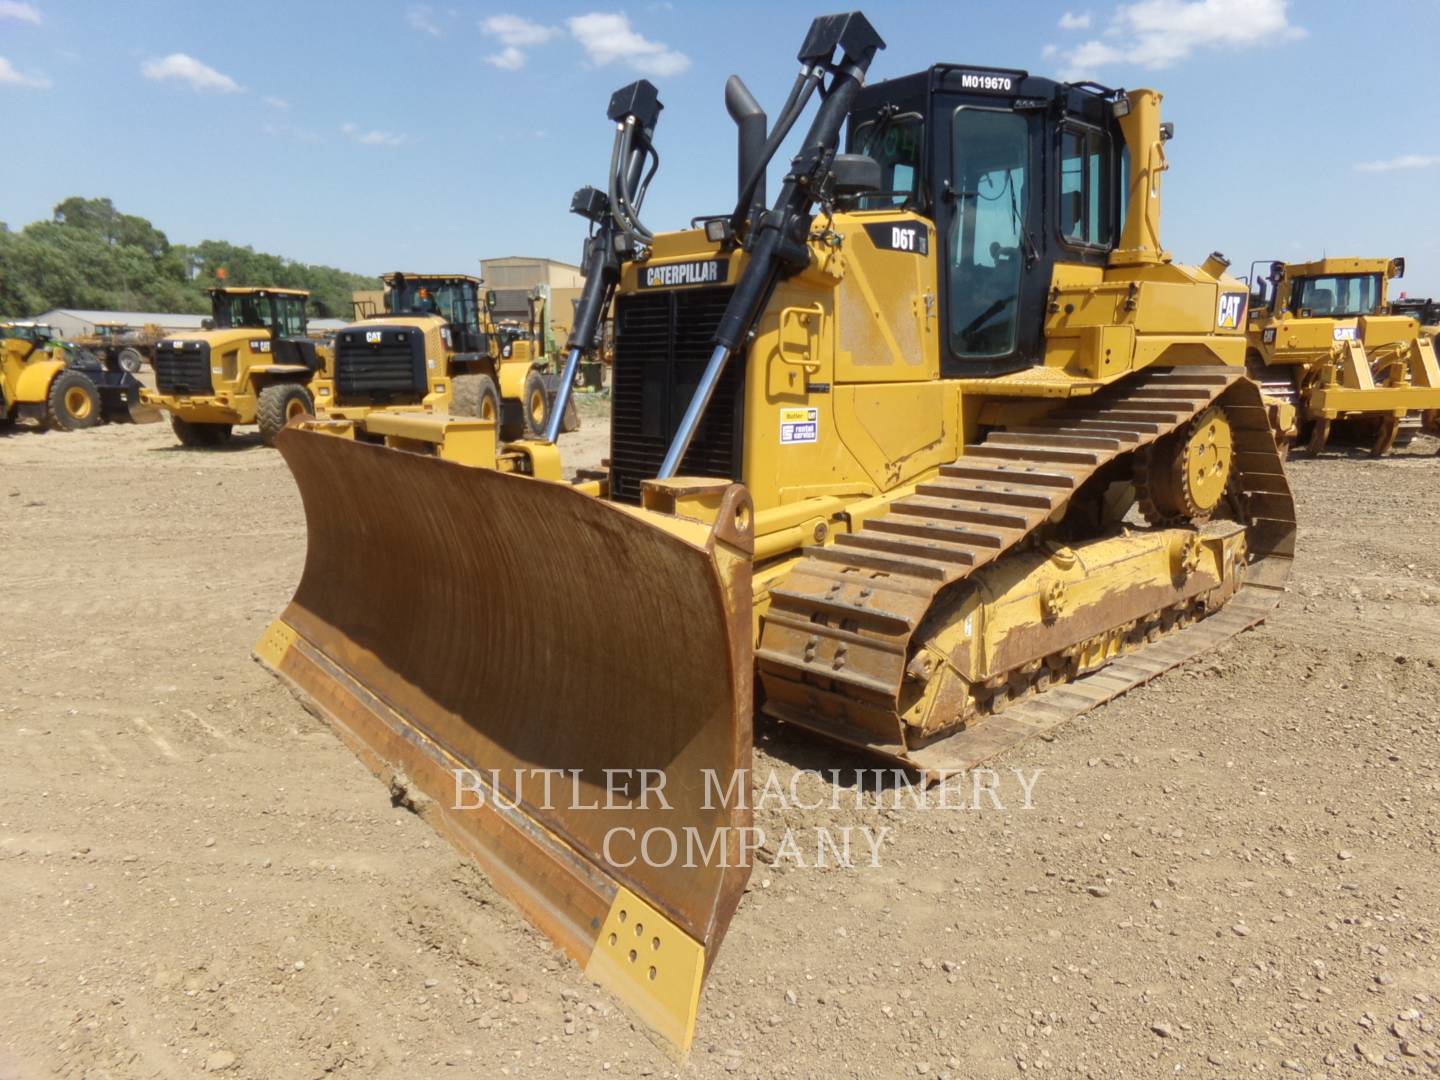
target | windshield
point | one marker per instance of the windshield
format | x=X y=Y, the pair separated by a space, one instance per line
x=453 y=301
x=896 y=143
x=1339 y=296
x=242 y=309
x=233 y=310
x=990 y=176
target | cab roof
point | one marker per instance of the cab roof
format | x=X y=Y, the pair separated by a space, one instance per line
x=1326 y=267
x=1010 y=84
x=394 y=275
x=263 y=290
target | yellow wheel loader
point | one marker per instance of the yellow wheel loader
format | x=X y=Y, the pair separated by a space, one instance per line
x=935 y=452
x=434 y=349
x=59 y=384
x=254 y=367
x=1331 y=354
x=36 y=383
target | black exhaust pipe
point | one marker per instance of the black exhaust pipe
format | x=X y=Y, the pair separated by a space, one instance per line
x=752 y=122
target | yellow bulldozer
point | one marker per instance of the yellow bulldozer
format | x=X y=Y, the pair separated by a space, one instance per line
x=255 y=366
x=434 y=349
x=1331 y=354
x=937 y=450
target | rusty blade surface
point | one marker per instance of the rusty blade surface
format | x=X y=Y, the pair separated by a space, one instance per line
x=451 y=616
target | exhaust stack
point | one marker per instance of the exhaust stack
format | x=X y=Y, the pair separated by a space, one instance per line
x=751 y=122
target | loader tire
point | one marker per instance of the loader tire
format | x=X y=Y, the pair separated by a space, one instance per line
x=199 y=436
x=280 y=404
x=73 y=402
x=535 y=405
x=130 y=359
x=476 y=395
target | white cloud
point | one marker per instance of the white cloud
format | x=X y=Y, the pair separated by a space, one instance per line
x=422 y=18
x=188 y=69
x=13 y=9
x=1073 y=20
x=9 y=76
x=509 y=58
x=277 y=102
x=290 y=131
x=516 y=33
x=372 y=138
x=1158 y=33
x=517 y=30
x=607 y=37
x=1404 y=161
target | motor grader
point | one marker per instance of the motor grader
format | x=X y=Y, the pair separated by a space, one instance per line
x=939 y=449
x=254 y=367
x=1331 y=354
x=434 y=349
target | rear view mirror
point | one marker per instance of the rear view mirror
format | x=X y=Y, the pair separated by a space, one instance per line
x=854 y=174
x=490 y=298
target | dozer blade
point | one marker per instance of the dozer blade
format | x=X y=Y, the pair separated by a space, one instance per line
x=453 y=618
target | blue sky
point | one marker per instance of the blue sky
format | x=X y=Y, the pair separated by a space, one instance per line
x=374 y=136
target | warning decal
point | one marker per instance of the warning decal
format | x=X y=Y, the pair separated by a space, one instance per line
x=799 y=426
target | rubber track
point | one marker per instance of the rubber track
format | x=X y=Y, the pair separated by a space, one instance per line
x=842 y=622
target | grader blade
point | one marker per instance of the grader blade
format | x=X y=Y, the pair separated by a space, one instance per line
x=561 y=686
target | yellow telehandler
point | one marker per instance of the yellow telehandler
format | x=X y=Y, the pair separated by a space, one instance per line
x=935 y=452
x=1328 y=350
x=254 y=367
x=434 y=349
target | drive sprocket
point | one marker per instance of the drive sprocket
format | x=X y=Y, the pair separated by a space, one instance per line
x=1183 y=477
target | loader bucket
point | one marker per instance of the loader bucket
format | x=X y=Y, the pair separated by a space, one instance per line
x=523 y=633
x=120 y=398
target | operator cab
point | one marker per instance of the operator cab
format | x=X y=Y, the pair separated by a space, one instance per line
x=453 y=298
x=1017 y=173
x=282 y=312
x=1340 y=289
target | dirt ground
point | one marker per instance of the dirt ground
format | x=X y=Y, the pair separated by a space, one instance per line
x=1232 y=871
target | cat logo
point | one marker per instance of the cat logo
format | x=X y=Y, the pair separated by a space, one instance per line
x=372 y=337
x=1231 y=311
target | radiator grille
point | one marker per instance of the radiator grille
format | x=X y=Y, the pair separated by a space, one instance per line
x=662 y=343
x=183 y=368
x=379 y=365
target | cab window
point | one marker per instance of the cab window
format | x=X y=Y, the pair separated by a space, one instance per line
x=897 y=143
x=987 y=232
x=1338 y=296
x=1086 y=187
x=290 y=320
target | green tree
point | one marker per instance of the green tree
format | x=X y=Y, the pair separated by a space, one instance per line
x=91 y=255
